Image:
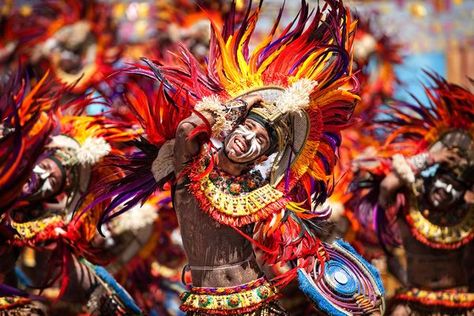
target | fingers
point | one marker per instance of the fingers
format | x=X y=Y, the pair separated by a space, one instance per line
x=449 y=156
x=453 y=158
x=469 y=197
x=252 y=99
x=460 y=159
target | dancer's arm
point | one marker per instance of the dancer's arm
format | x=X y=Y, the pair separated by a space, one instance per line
x=404 y=171
x=187 y=148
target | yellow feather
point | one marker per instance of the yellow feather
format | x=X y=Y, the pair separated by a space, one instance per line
x=296 y=207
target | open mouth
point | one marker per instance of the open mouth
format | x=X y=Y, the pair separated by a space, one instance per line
x=240 y=145
x=441 y=195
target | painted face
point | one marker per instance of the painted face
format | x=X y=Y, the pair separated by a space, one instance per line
x=445 y=192
x=45 y=181
x=247 y=142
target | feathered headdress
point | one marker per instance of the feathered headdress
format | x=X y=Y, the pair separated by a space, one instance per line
x=26 y=113
x=80 y=27
x=88 y=138
x=308 y=61
x=413 y=128
x=83 y=142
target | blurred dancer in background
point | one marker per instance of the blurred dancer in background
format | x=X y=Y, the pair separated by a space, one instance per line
x=422 y=199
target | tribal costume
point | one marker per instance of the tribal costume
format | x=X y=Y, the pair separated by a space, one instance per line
x=302 y=76
x=422 y=201
x=44 y=217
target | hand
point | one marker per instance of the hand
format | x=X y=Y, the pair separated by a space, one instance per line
x=448 y=156
x=251 y=100
x=469 y=197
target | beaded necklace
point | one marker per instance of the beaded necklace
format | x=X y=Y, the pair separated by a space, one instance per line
x=236 y=185
x=231 y=200
x=436 y=235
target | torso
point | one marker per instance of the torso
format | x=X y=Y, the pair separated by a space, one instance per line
x=205 y=241
x=208 y=243
x=431 y=268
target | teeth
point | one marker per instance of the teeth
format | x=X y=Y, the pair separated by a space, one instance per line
x=449 y=188
x=239 y=144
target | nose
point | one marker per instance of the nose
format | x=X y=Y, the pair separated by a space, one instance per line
x=250 y=135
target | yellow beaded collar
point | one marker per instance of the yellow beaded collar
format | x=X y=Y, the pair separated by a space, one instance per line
x=29 y=230
x=235 y=210
x=437 y=236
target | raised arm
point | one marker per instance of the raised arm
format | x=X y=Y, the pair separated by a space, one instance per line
x=404 y=171
x=219 y=116
x=388 y=187
x=186 y=148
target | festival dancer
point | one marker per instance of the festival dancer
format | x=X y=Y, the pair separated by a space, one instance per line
x=50 y=231
x=26 y=121
x=276 y=112
x=423 y=199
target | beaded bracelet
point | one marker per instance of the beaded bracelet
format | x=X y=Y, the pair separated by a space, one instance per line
x=236 y=110
x=226 y=116
x=420 y=162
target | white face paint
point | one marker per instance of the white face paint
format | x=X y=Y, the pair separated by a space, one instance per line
x=44 y=175
x=452 y=193
x=241 y=137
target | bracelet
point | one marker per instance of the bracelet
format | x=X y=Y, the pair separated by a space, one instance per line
x=419 y=162
x=226 y=116
x=236 y=110
x=242 y=101
x=213 y=106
